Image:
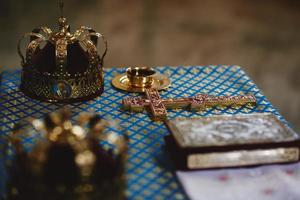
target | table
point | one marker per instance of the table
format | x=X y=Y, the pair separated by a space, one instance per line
x=149 y=171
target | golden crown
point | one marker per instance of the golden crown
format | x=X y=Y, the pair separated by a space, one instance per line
x=67 y=159
x=60 y=66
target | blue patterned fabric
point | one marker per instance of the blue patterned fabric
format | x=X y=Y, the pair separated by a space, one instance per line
x=150 y=173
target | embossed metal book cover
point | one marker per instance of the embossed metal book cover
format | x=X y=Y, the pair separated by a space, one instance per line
x=231 y=141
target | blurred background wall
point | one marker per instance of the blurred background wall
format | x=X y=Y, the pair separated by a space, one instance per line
x=261 y=36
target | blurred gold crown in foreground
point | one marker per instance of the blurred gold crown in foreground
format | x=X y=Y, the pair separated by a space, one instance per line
x=68 y=160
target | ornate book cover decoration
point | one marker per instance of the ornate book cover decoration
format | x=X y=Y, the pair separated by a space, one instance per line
x=231 y=141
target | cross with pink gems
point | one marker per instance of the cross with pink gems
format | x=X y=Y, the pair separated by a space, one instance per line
x=158 y=106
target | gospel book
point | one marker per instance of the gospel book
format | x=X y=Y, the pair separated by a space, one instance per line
x=231 y=141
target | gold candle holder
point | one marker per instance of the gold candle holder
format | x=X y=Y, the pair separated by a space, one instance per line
x=140 y=77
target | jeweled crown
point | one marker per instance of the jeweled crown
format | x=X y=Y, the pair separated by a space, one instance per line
x=61 y=66
x=66 y=159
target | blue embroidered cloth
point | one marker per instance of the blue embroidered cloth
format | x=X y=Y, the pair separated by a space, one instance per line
x=150 y=173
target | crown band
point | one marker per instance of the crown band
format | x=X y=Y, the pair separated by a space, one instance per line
x=70 y=88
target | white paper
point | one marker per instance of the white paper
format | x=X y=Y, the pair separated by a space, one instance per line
x=276 y=182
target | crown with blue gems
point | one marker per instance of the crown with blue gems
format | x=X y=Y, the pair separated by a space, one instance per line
x=61 y=66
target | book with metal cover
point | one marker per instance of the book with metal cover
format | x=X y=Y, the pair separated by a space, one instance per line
x=231 y=141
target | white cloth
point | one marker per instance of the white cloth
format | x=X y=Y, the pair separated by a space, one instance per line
x=275 y=182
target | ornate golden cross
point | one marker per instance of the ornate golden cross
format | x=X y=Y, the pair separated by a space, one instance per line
x=158 y=106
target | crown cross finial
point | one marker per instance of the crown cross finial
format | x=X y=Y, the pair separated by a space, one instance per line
x=61 y=6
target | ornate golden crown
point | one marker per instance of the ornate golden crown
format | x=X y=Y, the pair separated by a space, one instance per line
x=60 y=66
x=67 y=161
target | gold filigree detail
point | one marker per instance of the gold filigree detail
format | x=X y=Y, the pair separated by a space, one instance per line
x=159 y=106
